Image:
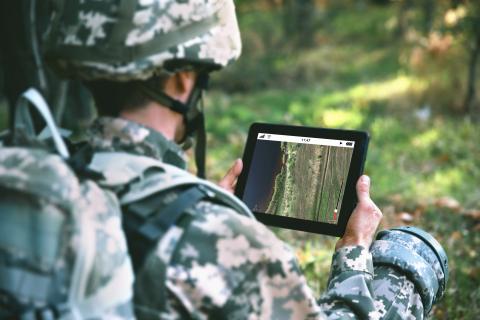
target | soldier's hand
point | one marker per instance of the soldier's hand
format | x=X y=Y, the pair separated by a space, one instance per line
x=229 y=182
x=364 y=220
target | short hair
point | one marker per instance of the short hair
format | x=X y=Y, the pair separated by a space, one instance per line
x=113 y=97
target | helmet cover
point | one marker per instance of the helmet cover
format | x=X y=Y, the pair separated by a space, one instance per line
x=124 y=40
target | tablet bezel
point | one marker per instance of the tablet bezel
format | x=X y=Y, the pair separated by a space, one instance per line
x=361 y=139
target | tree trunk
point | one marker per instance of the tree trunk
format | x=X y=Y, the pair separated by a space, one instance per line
x=470 y=98
x=299 y=21
x=404 y=7
x=428 y=7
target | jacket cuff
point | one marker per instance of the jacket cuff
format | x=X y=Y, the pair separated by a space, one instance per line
x=352 y=258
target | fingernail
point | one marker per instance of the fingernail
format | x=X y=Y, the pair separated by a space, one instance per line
x=365 y=179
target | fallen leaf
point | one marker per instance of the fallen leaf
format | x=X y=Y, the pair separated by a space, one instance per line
x=419 y=210
x=474 y=214
x=443 y=158
x=474 y=272
x=396 y=198
x=405 y=217
x=449 y=203
x=389 y=219
x=388 y=210
x=438 y=312
x=456 y=235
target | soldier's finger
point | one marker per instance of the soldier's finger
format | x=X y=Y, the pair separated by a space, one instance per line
x=363 y=188
x=229 y=180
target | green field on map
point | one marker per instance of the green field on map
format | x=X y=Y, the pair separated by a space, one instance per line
x=310 y=182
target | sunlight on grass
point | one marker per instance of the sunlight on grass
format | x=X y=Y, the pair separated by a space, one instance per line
x=382 y=90
x=342 y=118
x=426 y=139
x=312 y=253
x=315 y=263
x=441 y=183
x=360 y=95
x=296 y=108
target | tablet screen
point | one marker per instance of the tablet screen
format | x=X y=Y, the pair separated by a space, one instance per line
x=298 y=177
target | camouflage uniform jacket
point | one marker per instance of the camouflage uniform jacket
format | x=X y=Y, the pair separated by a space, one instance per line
x=230 y=266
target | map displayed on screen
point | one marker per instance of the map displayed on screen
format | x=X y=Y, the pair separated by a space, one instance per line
x=298 y=177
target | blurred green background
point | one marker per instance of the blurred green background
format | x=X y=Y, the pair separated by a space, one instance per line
x=405 y=71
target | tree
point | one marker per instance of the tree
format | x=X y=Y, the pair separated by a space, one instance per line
x=299 y=21
x=472 y=24
x=428 y=8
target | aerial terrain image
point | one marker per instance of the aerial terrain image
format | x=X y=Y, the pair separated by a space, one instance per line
x=303 y=181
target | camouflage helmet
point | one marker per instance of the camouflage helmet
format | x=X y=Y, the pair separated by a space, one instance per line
x=123 y=40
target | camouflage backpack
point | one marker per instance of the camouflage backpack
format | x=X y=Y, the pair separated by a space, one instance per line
x=150 y=224
x=63 y=253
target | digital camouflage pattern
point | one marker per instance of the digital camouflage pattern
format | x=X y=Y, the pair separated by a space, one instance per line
x=61 y=241
x=379 y=292
x=124 y=40
x=420 y=257
x=115 y=134
x=225 y=265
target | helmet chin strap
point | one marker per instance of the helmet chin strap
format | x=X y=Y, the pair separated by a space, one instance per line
x=192 y=112
x=200 y=145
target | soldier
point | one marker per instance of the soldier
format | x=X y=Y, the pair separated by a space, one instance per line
x=197 y=251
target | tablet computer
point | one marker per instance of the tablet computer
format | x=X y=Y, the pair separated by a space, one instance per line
x=302 y=178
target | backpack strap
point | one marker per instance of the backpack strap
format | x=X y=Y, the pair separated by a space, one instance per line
x=146 y=226
x=146 y=176
x=143 y=223
x=22 y=120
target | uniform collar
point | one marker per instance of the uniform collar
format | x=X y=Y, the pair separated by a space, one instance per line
x=117 y=134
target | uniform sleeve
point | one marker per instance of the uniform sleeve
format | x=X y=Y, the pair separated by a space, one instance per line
x=349 y=292
x=232 y=267
x=241 y=270
x=289 y=297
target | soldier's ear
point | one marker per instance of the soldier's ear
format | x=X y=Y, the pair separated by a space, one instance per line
x=185 y=81
x=180 y=85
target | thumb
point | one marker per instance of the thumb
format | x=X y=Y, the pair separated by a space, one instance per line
x=363 y=188
x=235 y=170
x=229 y=179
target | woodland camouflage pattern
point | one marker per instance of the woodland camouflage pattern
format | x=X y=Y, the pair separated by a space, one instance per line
x=125 y=40
x=43 y=193
x=230 y=266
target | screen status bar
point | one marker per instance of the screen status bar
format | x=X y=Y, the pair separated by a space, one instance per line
x=306 y=140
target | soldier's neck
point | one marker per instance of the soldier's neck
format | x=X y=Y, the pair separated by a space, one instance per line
x=158 y=118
